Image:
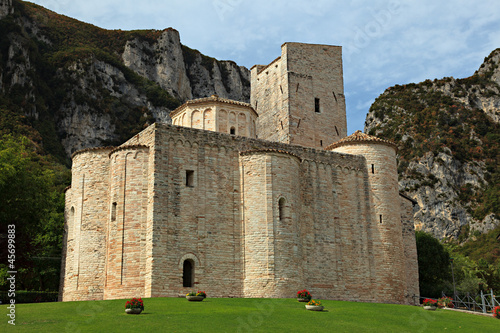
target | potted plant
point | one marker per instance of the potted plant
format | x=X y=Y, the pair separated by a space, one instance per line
x=193 y=297
x=430 y=304
x=303 y=296
x=445 y=302
x=496 y=312
x=202 y=294
x=134 y=306
x=314 y=305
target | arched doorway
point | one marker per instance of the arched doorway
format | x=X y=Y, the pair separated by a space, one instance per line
x=188 y=273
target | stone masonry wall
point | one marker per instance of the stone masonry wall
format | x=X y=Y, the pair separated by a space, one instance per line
x=328 y=219
x=270 y=199
x=315 y=72
x=268 y=98
x=148 y=138
x=86 y=216
x=284 y=95
x=126 y=227
x=256 y=218
x=218 y=117
x=388 y=249
x=336 y=233
x=198 y=221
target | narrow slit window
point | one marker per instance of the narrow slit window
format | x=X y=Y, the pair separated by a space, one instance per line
x=373 y=168
x=113 y=212
x=380 y=218
x=316 y=105
x=281 y=209
x=321 y=143
x=336 y=130
x=189 y=178
x=71 y=215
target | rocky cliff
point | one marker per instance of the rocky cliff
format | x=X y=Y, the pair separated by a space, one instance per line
x=81 y=86
x=448 y=136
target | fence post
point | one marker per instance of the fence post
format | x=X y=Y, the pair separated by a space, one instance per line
x=493 y=300
x=484 y=305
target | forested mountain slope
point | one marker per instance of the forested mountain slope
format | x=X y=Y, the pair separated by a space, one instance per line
x=448 y=136
x=81 y=86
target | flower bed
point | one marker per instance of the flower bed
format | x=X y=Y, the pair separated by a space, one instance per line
x=429 y=302
x=303 y=296
x=445 y=302
x=314 y=305
x=134 y=306
x=496 y=312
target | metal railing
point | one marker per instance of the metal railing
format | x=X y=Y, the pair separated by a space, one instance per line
x=475 y=302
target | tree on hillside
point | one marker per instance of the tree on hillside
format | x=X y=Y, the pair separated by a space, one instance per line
x=30 y=199
x=433 y=265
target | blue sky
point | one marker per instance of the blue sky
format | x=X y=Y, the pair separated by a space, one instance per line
x=384 y=42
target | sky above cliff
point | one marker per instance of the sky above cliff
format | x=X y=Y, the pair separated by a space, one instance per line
x=384 y=42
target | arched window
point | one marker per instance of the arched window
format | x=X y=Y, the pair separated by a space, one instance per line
x=281 y=209
x=188 y=273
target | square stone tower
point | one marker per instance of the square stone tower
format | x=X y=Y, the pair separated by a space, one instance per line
x=300 y=96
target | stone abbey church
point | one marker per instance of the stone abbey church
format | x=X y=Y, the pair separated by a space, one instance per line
x=245 y=200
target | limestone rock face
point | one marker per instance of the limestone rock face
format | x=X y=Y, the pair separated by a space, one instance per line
x=5 y=8
x=491 y=67
x=440 y=212
x=161 y=62
x=183 y=72
x=81 y=120
x=94 y=94
x=450 y=168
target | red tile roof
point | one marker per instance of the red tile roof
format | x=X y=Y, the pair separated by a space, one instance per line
x=359 y=137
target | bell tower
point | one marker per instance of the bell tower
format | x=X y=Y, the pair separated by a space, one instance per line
x=299 y=97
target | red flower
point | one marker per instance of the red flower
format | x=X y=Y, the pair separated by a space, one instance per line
x=496 y=312
x=134 y=303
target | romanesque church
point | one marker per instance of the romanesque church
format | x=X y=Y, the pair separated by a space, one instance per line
x=245 y=200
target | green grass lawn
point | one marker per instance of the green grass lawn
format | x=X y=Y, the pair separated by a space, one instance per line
x=239 y=315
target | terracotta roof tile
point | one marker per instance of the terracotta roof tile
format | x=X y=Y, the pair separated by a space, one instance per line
x=359 y=137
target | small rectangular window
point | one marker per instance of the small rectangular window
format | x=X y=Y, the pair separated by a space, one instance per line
x=189 y=178
x=316 y=105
